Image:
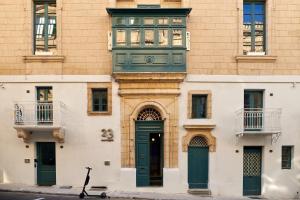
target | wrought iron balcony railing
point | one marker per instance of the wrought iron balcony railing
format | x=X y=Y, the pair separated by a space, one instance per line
x=38 y=114
x=258 y=120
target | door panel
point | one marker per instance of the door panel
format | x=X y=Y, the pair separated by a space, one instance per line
x=46 y=163
x=142 y=163
x=198 y=167
x=252 y=171
x=142 y=149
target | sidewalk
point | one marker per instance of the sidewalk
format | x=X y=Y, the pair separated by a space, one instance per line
x=114 y=194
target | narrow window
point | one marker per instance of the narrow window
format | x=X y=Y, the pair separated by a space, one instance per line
x=135 y=37
x=121 y=37
x=163 y=37
x=99 y=100
x=199 y=106
x=149 y=37
x=45 y=27
x=177 y=37
x=286 y=157
x=254 y=27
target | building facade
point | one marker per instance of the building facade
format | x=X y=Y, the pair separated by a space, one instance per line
x=185 y=95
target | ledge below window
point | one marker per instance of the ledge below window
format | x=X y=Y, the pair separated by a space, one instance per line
x=38 y=58
x=248 y=58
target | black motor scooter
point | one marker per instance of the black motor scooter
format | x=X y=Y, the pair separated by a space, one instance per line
x=86 y=182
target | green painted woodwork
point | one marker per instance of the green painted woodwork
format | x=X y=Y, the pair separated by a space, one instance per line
x=149 y=39
x=286 y=157
x=253 y=99
x=142 y=149
x=46 y=170
x=149 y=60
x=198 y=167
x=252 y=171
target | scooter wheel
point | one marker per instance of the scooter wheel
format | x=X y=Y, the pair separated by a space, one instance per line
x=81 y=195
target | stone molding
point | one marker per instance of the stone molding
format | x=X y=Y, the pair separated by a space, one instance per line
x=208 y=103
x=203 y=130
x=255 y=59
x=150 y=77
x=43 y=59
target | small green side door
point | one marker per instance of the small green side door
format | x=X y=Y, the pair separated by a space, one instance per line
x=46 y=168
x=198 y=167
x=252 y=171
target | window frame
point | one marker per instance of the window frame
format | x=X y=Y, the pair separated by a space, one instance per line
x=290 y=157
x=252 y=3
x=100 y=105
x=208 y=95
x=46 y=24
x=95 y=86
x=142 y=27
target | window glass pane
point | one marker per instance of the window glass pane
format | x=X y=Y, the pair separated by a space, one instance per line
x=247 y=20
x=120 y=21
x=52 y=41
x=134 y=21
x=177 y=37
x=163 y=37
x=148 y=21
x=39 y=27
x=177 y=20
x=259 y=8
x=121 y=37
x=259 y=39
x=163 y=21
x=149 y=37
x=199 y=106
x=135 y=38
x=99 y=100
x=247 y=8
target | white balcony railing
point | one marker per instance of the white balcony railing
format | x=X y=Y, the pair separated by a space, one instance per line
x=258 y=120
x=38 y=114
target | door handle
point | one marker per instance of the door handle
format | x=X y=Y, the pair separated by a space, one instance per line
x=35 y=162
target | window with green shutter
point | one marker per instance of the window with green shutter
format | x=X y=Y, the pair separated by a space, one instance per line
x=99 y=100
x=199 y=106
x=45 y=27
x=286 y=157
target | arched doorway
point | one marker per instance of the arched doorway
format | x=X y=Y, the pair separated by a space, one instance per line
x=198 y=163
x=149 y=144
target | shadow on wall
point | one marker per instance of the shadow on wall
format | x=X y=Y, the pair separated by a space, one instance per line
x=291 y=184
x=1 y=175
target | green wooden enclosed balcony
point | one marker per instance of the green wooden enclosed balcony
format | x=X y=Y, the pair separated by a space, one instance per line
x=149 y=39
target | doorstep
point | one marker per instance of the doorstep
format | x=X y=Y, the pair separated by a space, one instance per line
x=200 y=192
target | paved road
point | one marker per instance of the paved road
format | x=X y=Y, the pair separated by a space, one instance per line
x=32 y=196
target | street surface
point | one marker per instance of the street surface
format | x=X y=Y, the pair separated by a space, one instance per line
x=33 y=196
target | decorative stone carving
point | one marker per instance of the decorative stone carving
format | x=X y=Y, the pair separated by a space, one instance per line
x=59 y=135
x=199 y=130
x=24 y=135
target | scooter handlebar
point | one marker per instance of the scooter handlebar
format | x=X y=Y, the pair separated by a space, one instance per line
x=88 y=168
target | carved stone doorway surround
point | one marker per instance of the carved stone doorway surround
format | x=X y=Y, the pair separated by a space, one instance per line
x=149 y=90
x=199 y=130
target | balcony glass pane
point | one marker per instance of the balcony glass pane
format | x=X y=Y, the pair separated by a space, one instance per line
x=177 y=21
x=148 y=21
x=120 y=21
x=134 y=21
x=135 y=38
x=149 y=37
x=163 y=37
x=121 y=37
x=163 y=21
x=177 y=37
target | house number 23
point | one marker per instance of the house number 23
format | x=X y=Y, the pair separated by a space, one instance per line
x=107 y=135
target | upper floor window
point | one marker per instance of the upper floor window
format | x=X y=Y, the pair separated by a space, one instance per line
x=45 y=40
x=148 y=32
x=199 y=104
x=254 y=34
x=99 y=100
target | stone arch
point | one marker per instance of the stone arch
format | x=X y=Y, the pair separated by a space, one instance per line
x=149 y=114
x=199 y=131
x=169 y=148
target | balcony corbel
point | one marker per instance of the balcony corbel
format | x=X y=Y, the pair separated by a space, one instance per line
x=25 y=135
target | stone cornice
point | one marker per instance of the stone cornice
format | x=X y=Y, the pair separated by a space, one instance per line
x=199 y=126
x=149 y=77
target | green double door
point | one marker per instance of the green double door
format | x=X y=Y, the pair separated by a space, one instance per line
x=45 y=163
x=198 y=167
x=149 y=153
x=252 y=171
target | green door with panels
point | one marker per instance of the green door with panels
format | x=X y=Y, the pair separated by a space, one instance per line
x=148 y=167
x=198 y=152
x=252 y=171
x=46 y=170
